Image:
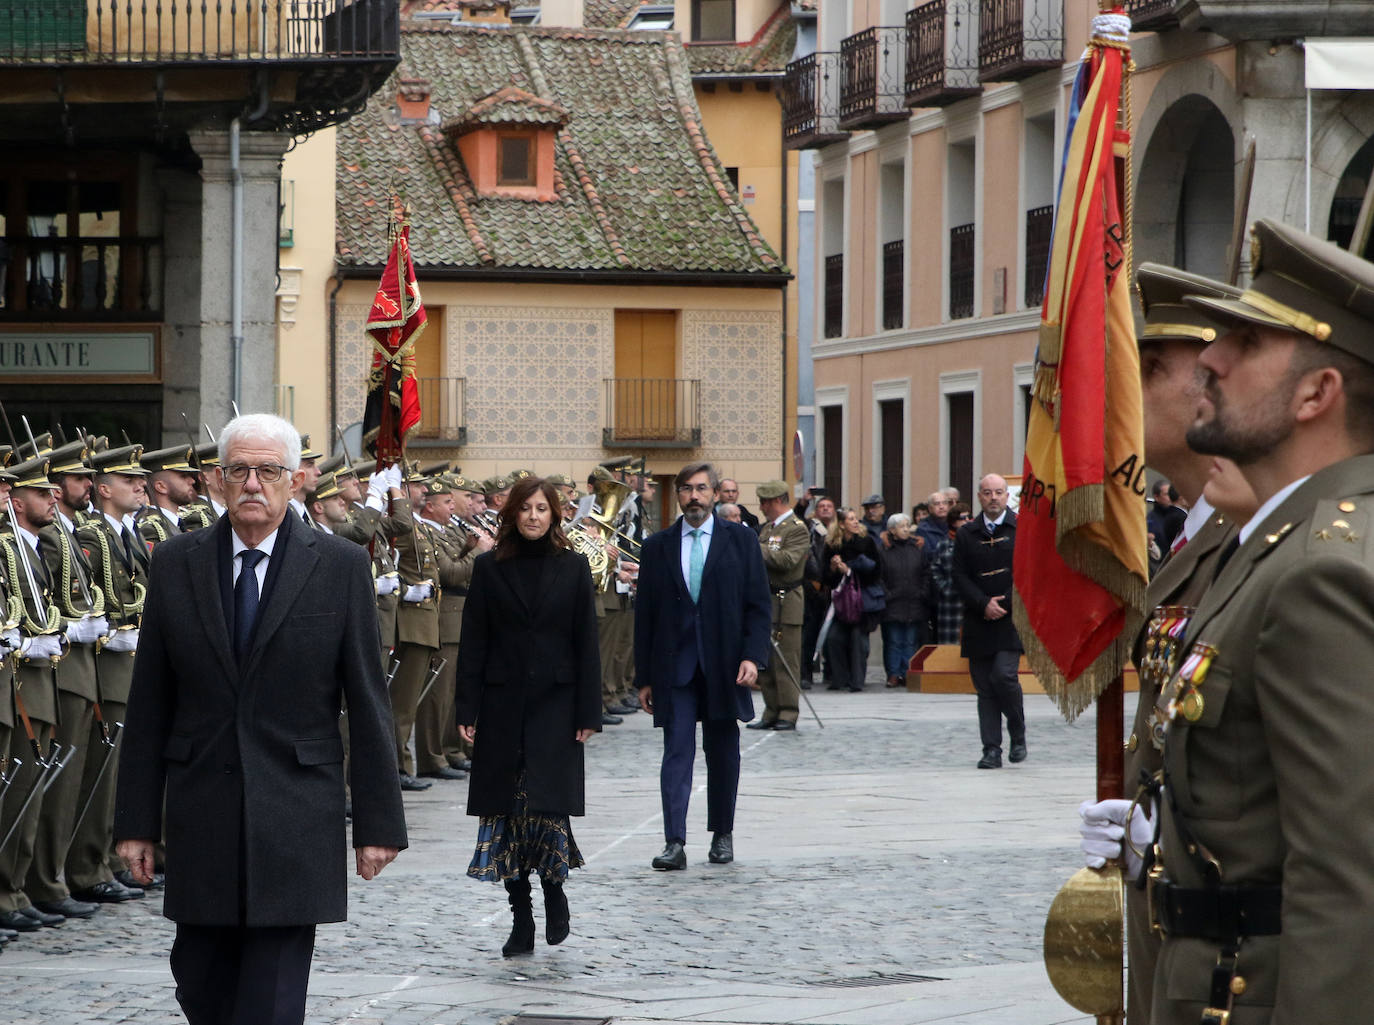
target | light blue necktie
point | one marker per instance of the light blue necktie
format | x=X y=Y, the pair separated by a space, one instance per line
x=696 y=562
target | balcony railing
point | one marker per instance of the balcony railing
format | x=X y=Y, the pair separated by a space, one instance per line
x=1018 y=38
x=834 y=296
x=194 y=31
x=98 y=278
x=1151 y=15
x=811 y=102
x=873 y=88
x=443 y=409
x=893 y=284
x=942 y=53
x=961 y=272
x=652 y=412
x=1039 y=234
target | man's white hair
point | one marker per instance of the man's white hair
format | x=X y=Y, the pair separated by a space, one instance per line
x=897 y=520
x=262 y=427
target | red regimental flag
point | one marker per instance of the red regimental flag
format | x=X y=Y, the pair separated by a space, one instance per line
x=1081 y=568
x=395 y=322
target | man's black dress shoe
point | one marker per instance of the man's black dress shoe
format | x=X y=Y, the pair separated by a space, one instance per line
x=461 y=763
x=610 y=720
x=67 y=907
x=722 y=849
x=127 y=880
x=631 y=701
x=409 y=782
x=674 y=856
x=41 y=917
x=111 y=891
x=783 y=726
x=992 y=759
x=760 y=724
x=445 y=773
x=9 y=934
x=621 y=709
x=1018 y=751
x=18 y=922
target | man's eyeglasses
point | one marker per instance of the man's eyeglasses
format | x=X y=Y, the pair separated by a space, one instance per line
x=268 y=473
x=700 y=489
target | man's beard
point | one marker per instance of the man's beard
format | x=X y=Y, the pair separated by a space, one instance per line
x=695 y=513
x=1245 y=443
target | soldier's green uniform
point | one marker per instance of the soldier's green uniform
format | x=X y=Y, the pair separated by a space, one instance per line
x=417 y=628
x=119 y=565
x=785 y=545
x=1267 y=852
x=155 y=525
x=36 y=697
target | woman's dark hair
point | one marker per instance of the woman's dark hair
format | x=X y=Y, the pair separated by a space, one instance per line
x=956 y=510
x=508 y=533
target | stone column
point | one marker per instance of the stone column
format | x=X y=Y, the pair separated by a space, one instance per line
x=260 y=156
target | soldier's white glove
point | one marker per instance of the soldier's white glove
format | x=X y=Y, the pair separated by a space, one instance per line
x=11 y=639
x=42 y=646
x=122 y=640
x=418 y=592
x=88 y=630
x=1104 y=828
x=388 y=584
x=393 y=475
x=376 y=492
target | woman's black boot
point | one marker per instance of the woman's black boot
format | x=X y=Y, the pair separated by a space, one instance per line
x=556 y=914
x=522 y=914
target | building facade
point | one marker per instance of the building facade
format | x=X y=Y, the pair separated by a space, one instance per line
x=937 y=130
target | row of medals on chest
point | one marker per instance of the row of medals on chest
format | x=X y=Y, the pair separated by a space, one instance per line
x=1160 y=663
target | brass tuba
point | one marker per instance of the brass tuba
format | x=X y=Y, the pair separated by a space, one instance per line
x=608 y=502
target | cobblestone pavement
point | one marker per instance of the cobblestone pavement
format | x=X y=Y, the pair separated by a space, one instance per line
x=868 y=849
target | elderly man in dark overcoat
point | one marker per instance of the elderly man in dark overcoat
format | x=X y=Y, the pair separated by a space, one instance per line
x=702 y=626
x=253 y=632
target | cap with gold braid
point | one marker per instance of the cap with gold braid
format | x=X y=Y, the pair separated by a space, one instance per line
x=25 y=450
x=327 y=486
x=33 y=473
x=1306 y=285
x=207 y=455
x=69 y=458
x=178 y=458
x=306 y=451
x=1167 y=316
x=460 y=483
x=365 y=468
x=434 y=469
x=123 y=461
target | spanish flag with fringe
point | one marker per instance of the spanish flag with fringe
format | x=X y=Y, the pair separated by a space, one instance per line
x=396 y=320
x=1080 y=568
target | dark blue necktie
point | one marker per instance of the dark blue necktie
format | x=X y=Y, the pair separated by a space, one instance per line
x=246 y=601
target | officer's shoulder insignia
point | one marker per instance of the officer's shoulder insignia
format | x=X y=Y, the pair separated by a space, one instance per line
x=1341 y=525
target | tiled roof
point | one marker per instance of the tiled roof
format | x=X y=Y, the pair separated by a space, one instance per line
x=640 y=188
x=608 y=13
x=510 y=106
x=768 y=52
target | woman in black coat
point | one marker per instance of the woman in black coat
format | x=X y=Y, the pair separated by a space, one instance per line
x=529 y=695
x=849 y=548
x=906 y=587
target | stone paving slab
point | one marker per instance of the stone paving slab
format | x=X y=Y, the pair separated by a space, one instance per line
x=869 y=848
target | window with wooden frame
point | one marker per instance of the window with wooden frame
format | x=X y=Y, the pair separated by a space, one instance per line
x=515 y=158
x=713 y=21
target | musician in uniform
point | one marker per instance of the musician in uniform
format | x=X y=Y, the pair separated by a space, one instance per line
x=36 y=698
x=1173 y=335
x=1265 y=856
x=785 y=543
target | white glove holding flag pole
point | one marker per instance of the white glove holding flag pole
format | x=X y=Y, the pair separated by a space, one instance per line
x=42 y=646
x=1104 y=828
x=87 y=630
x=122 y=640
x=418 y=592
x=393 y=475
x=376 y=491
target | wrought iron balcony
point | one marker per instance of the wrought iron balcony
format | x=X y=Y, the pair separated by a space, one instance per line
x=1039 y=236
x=873 y=87
x=894 y=282
x=834 y=296
x=811 y=102
x=942 y=53
x=1151 y=15
x=443 y=409
x=652 y=412
x=191 y=32
x=1019 y=38
x=961 y=257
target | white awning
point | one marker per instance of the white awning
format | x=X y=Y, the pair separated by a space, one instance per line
x=1339 y=63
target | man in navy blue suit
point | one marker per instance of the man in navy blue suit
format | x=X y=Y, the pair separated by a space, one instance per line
x=702 y=622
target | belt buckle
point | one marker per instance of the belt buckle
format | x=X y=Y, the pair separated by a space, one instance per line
x=1215 y=1016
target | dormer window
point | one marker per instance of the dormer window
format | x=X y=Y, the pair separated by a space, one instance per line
x=515 y=158
x=713 y=21
x=506 y=139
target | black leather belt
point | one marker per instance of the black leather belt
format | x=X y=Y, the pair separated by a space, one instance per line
x=1220 y=913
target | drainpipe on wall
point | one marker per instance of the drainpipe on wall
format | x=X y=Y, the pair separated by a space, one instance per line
x=236 y=263
x=333 y=334
x=786 y=441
